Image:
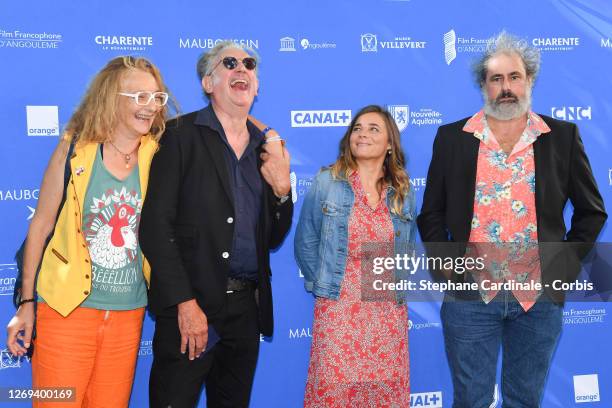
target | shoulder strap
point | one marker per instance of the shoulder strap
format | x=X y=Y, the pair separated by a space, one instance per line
x=67 y=175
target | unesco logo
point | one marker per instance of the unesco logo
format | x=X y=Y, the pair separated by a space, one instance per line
x=287 y=44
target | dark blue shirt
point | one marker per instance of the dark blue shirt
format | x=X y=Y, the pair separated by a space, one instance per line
x=247 y=188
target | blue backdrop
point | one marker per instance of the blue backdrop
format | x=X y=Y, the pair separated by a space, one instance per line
x=320 y=62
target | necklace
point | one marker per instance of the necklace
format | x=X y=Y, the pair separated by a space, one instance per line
x=126 y=156
x=373 y=198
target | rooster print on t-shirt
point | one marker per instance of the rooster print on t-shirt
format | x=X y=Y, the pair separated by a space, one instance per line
x=111 y=233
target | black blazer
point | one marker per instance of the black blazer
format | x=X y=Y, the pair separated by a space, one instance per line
x=562 y=172
x=187 y=224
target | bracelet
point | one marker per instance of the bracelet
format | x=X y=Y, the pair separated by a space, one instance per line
x=266 y=130
x=23 y=301
x=274 y=139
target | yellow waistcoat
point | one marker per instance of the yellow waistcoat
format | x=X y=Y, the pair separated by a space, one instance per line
x=64 y=280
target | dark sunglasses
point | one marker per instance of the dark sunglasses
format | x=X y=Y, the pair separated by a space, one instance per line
x=232 y=63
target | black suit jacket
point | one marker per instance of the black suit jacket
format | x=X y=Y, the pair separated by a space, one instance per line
x=187 y=224
x=562 y=172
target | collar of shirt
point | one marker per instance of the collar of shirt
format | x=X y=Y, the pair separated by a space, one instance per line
x=207 y=117
x=477 y=125
x=355 y=173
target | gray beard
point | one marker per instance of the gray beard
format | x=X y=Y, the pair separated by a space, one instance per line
x=507 y=111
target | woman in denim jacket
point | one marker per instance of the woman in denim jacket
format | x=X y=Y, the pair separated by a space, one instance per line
x=359 y=209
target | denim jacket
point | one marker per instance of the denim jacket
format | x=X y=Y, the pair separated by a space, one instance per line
x=321 y=237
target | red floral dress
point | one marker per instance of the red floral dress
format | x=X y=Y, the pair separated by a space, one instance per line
x=359 y=352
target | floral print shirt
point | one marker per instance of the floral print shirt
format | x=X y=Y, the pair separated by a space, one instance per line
x=504 y=209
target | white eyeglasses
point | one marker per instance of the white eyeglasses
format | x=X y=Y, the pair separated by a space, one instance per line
x=143 y=98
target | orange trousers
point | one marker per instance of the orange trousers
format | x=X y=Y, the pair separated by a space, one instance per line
x=93 y=351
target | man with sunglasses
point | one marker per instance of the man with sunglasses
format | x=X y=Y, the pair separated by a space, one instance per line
x=217 y=202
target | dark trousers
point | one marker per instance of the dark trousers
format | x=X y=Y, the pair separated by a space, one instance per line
x=227 y=369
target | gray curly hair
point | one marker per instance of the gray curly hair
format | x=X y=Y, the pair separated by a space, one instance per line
x=207 y=60
x=507 y=43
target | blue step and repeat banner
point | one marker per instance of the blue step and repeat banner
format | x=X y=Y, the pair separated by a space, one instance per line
x=320 y=62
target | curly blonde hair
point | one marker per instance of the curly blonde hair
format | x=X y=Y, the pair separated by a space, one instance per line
x=96 y=115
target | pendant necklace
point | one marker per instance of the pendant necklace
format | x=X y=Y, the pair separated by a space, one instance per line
x=126 y=156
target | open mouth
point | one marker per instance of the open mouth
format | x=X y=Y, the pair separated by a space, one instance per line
x=143 y=117
x=239 y=84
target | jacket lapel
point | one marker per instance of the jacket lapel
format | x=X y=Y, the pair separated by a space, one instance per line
x=539 y=159
x=81 y=165
x=148 y=146
x=470 y=155
x=216 y=149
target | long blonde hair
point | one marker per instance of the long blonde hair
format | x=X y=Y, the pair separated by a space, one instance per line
x=394 y=172
x=96 y=115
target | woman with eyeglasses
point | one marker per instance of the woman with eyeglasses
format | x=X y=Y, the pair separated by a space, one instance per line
x=359 y=209
x=89 y=297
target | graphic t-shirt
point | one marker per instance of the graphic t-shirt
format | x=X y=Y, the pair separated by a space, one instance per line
x=111 y=214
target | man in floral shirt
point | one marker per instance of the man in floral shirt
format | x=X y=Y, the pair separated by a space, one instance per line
x=498 y=182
